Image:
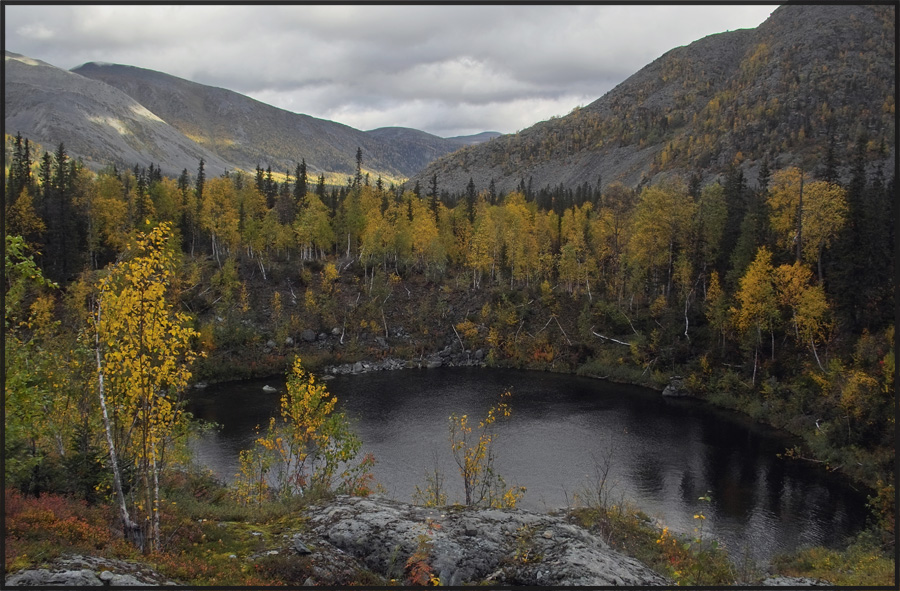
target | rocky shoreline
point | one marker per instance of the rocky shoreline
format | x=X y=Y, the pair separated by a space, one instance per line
x=447 y=357
x=454 y=357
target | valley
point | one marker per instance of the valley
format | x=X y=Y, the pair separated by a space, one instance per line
x=722 y=223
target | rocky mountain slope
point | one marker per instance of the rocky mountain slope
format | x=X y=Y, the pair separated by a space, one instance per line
x=247 y=133
x=122 y=115
x=780 y=91
x=94 y=121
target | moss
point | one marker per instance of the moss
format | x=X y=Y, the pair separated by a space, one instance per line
x=685 y=560
x=863 y=563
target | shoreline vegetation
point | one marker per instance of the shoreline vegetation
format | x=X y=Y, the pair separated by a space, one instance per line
x=124 y=287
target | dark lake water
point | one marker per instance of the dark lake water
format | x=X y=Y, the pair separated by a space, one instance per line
x=665 y=453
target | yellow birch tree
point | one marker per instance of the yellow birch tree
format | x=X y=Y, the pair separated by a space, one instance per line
x=143 y=353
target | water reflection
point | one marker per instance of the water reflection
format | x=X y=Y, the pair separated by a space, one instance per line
x=663 y=454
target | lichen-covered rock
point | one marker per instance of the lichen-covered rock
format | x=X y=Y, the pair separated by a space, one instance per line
x=780 y=581
x=509 y=547
x=88 y=571
x=675 y=387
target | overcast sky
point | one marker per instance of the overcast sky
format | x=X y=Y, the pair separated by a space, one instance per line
x=448 y=70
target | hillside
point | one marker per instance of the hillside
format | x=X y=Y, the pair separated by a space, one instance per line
x=247 y=133
x=418 y=148
x=116 y=114
x=94 y=121
x=780 y=91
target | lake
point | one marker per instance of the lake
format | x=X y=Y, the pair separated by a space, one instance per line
x=663 y=453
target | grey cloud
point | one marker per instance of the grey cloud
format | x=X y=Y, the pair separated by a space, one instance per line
x=382 y=65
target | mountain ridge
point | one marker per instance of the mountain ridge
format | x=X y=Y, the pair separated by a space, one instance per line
x=107 y=113
x=776 y=92
x=250 y=133
x=94 y=121
x=807 y=76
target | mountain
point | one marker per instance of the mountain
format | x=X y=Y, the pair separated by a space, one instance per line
x=419 y=148
x=478 y=138
x=123 y=115
x=780 y=91
x=94 y=121
x=247 y=133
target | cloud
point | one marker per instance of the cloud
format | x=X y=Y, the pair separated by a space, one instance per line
x=441 y=68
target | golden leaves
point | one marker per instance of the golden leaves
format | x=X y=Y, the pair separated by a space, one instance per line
x=148 y=345
x=475 y=458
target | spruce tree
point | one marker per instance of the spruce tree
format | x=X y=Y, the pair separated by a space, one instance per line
x=433 y=198
x=470 y=200
x=301 y=186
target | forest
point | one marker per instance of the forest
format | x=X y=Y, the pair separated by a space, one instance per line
x=771 y=296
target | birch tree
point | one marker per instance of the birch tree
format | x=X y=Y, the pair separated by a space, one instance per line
x=143 y=353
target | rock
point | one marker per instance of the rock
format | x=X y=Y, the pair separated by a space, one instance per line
x=200 y=385
x=382 y=342
x=675 y=389
x=80 y=571
x=308 y=335
x=270 y=344
x=383 y=533
x=288 y=342
x=115 y=580
x=323 y=336
x=479 y=354
x=358 y=367
x=336 y=331
x=299 y=546
x=269 y=389
x=781 y=581
x=434 y=363
x=43 y=576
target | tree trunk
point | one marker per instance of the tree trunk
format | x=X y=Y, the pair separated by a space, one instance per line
x=812 y=345
x=821 y=276
x=131 y=529
x=154 y=467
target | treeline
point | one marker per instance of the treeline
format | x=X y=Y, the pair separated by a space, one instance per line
x=617 y=245
x=774 y=296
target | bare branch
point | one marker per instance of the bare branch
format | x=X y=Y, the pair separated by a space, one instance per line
x=605 y=338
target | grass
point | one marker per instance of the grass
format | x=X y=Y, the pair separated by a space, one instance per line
x=862 y=563
x=208 y=538
x=680 y=558
x=689 y=562
x=622 y=371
